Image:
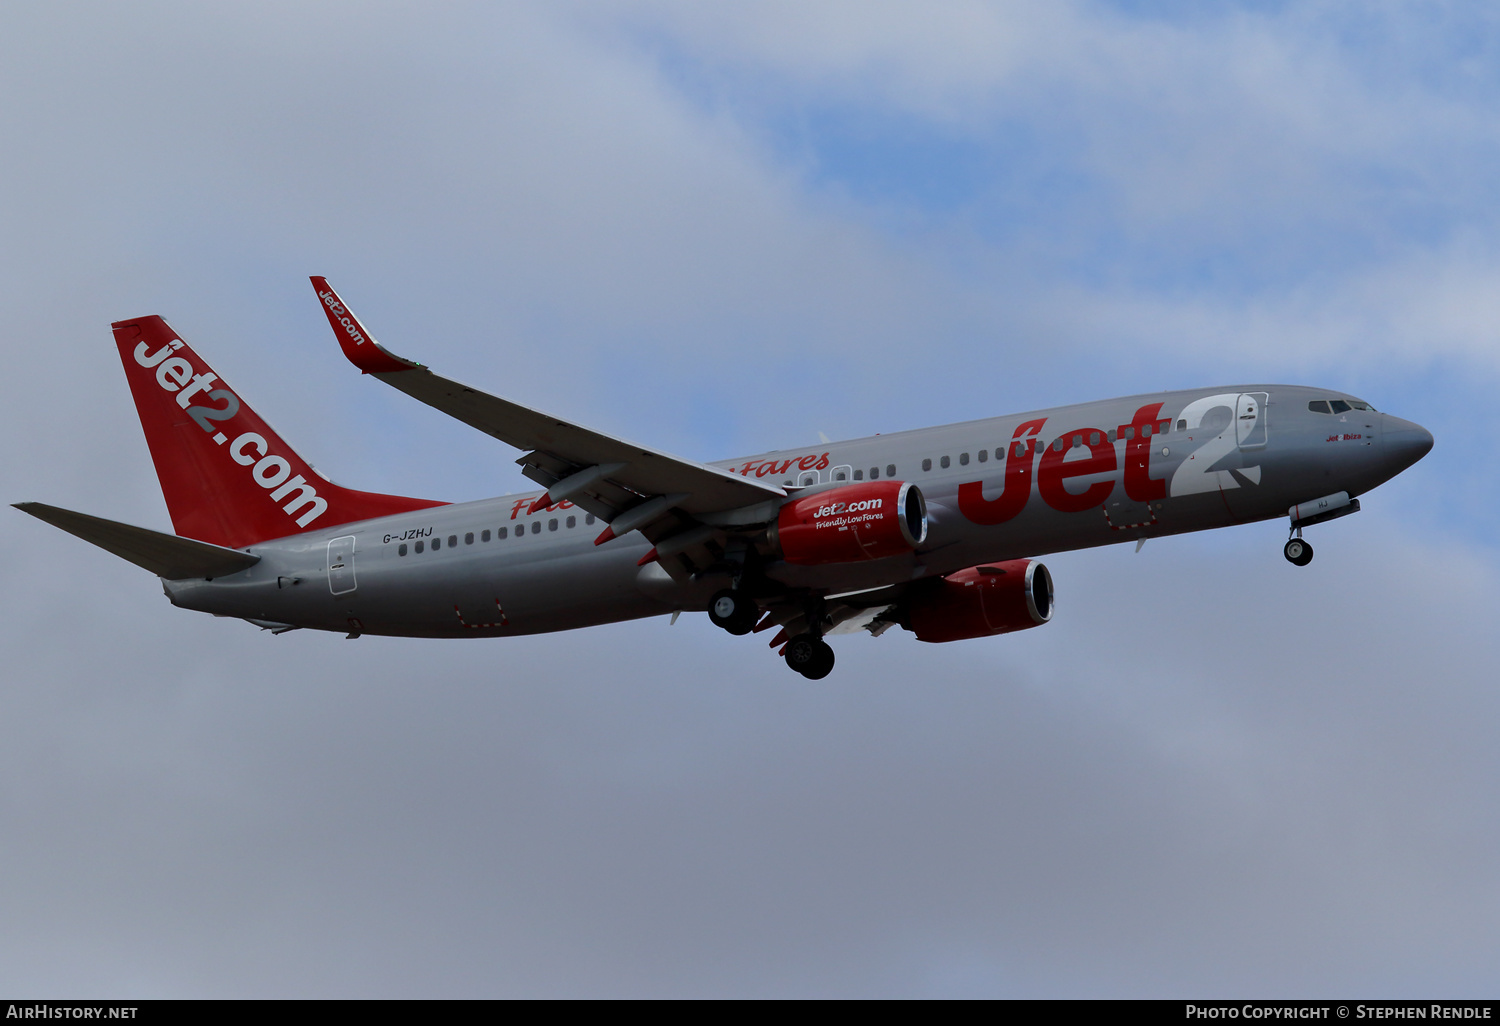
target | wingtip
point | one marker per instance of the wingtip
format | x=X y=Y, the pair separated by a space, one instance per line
x=356 y=342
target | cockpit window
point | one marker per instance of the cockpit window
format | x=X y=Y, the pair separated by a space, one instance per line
x=1339 y=406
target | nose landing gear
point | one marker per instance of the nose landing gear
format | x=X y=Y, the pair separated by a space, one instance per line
x=1298 y=552
x=1318 y=511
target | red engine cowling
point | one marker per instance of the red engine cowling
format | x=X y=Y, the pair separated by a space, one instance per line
x=995 y=598
x=853 y=523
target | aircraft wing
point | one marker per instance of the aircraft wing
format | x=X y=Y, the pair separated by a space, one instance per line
x=604 y=475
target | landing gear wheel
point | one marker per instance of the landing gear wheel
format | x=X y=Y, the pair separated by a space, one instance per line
x=734 y=611
x=810 y=656
x=1298 y=552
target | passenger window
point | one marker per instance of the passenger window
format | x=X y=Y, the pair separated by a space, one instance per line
x=419 y=548
x=401 y=549
x=890 y=470
x=926 y=464
x=572 y=521
x=1077 y=441
x=859 y=475
x=1319 y=406
x=1339 y=406
x=984 y=455
x=437 y=543
x=469 y=538
x=502 y=533
x=1110 y=434
x=874 y=473
x=963 y=459
x=1093 y=438
x=808 y=479
x=452 y=540
x=588 y=519
x=536 y=527
x=1057 y=445
x=1145 y=430
x=841 y=473
x=484 y=535
x=1127 y=432
x=552 y=524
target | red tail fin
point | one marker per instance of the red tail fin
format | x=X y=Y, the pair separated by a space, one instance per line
x=227 y=477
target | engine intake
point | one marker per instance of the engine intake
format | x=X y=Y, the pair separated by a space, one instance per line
x=850 y=524
x=982 y=601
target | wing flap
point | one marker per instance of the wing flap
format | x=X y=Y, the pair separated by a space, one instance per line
x=165 y=555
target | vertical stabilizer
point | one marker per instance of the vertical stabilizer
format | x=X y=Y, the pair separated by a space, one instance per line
x=227 y=477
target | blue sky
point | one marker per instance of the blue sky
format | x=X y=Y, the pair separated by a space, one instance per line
x=721 y=230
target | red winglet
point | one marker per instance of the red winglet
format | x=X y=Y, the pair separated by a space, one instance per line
x=358 y=345
x=542 y=502
x=649 y=557
x=608 y=534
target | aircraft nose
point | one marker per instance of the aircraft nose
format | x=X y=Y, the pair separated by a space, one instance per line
x=1405 y=443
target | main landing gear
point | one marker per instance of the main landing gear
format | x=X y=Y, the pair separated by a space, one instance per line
x=810 y=656
x=1298 y=552
x=734 y=611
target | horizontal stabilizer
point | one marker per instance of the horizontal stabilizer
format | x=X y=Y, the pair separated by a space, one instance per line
x=165 y=555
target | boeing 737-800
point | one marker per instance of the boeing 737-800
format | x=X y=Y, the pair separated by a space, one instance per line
x=935 y=530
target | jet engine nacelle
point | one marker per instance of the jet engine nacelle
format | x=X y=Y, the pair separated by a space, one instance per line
x=995 y=598
x=850 y=524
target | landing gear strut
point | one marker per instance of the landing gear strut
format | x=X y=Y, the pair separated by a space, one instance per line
x=1298 y=552
x=734 y=611
x=810 y=656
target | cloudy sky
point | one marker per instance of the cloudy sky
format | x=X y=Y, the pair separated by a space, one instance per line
x=723 y=229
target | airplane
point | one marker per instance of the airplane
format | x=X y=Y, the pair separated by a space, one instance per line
x=935 y=530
